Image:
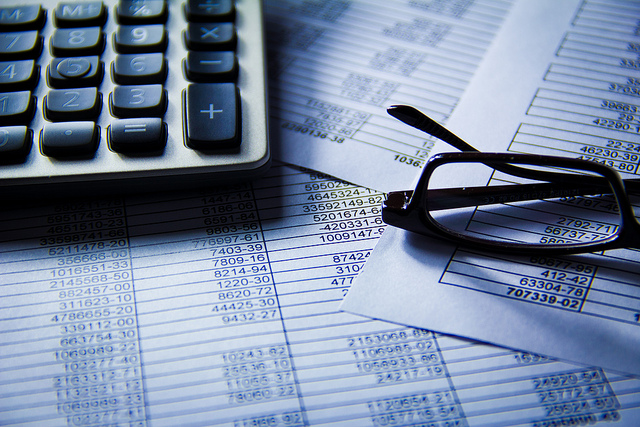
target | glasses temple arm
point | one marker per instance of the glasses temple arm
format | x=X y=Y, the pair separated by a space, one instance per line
x=414 y=118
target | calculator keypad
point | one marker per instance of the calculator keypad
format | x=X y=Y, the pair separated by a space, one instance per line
x=105 y=88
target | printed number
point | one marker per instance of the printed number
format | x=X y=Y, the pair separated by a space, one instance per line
x=9 y=71
x=76 y=37
x=138 y=64
x=139 y=35
x=137 y=96
x=71 y=102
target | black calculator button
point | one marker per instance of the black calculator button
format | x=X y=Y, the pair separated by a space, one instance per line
x=20 y=45
x=132 y=69
x=216 y=36
x=137 y=135
x=75 y=72
x=138 y=101
x=80 y=14
x=211 y=67
x=141 y=12
x=15 y=144
x=69 y=139
x=211 y=116
x=209 y=10
x=18 y=75
x=16 y=108
x=140 y=38
x=77 y=41
x=21 y=18
x=72 y=104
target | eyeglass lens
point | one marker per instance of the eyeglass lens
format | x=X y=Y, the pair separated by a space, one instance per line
x=576 y=206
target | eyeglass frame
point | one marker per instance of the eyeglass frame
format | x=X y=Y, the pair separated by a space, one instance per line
x=409 y=210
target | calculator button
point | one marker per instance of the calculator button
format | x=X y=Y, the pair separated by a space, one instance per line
x=137 y=135
x=211 y=116
x=18 y=75
x=21 y=18
x=16 y=108
x=209 y=10
x=72 y=104
x=20 y=45
x=211 y=67
x=77 y=41
x=69 y=139
x=15 y=144
x=80 y=14
x=218 y=36
x=141 y=12
x=138 y=101
x=75 y=72
x=140 y=38
x=139 y=68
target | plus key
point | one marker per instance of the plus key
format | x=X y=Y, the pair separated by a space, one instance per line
x=211 y=117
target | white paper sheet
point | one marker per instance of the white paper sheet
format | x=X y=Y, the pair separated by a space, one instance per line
x=337 y=65
x=565 y=83
x=161 y=311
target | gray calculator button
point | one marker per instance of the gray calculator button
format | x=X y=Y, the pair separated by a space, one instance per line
x=20 y=45
x=77 y=41
x=138 y=101
x=144 y=68
x=141 y=11
x=75 y=72
x=137 y=135
x=140 y=38
x=72 y=104
x=211 y=116
x=21 y=18
x=16 y=108
x=69 y=139
x=15 y=144
x=80 y=14
x=18 y=75
x=73 y=67
x=209 y=10
x=211 y=67
x=216 y=36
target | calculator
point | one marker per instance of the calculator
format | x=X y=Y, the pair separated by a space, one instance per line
x=131 y=96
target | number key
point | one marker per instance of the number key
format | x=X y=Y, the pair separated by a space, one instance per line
x=77 y=42
x=75 y=72
x=16 y=108
x=15 y=144
x=138 y=101
x=72 y=104
x=20 y=45
x=140 y=38
x=18 y=75
x=139 y=68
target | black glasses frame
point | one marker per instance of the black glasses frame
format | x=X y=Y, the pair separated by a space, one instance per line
x=409 y=210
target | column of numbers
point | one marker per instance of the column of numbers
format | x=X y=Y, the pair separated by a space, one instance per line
x=101 y=378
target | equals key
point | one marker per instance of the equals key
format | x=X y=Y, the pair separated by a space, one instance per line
x=144 y=135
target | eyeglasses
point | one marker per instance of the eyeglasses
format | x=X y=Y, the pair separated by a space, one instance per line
x=533 y=203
